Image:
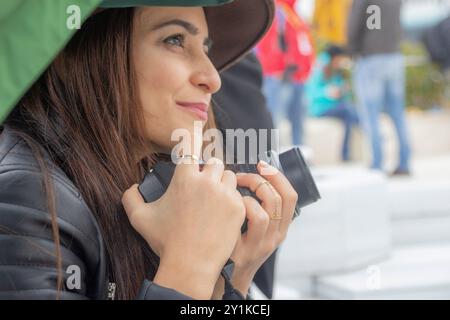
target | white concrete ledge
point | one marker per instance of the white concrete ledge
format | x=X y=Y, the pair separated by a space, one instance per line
x=414 y=272
x=348 y=228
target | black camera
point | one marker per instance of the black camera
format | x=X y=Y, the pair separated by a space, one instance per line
x=290 y=162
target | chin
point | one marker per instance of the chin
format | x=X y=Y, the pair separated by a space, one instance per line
x=189 y=124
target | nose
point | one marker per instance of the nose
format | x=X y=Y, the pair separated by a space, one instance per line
x=206 y=77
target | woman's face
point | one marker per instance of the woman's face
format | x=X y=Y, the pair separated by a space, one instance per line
x=175 y=75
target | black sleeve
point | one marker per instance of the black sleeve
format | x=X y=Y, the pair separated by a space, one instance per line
x=28 y=268
x=28 y=264
x=152 y=291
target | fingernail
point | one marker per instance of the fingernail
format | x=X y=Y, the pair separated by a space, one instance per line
x=266 y=169
x=264 y=164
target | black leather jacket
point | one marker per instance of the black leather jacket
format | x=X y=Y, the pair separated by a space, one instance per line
x=27 y=263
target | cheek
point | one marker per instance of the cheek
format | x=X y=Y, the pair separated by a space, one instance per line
x=160 y=80
x=155 y=83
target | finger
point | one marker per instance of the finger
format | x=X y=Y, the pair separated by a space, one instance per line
x=229 y=179
x=258 y=221
x=271 y=200
x=214 y=168
x=132 y=199
x=284 y=188
x=186 y=166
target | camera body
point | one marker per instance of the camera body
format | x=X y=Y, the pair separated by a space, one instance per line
x=291 y=163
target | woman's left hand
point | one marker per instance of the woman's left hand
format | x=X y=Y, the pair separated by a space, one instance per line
x=268 y=222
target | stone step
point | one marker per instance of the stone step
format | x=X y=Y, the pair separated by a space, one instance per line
x=411 y=272
x=419 y=206
x=348 y=228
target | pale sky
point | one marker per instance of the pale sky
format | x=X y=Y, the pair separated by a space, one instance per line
x=416 y=13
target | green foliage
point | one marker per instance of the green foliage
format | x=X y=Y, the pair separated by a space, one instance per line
x=425 y=84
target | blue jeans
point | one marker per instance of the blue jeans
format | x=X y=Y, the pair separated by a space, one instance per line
x=379 y=82
x=347 y=113
x=273 y=89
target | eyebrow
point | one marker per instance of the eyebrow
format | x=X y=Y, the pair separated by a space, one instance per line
x=193 y=30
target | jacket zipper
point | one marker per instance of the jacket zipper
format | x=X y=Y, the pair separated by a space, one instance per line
x=111 y=290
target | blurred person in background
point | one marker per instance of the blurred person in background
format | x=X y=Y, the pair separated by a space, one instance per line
x=379 y=75
x=437 y=43
x=328 y=94
x=286 y=54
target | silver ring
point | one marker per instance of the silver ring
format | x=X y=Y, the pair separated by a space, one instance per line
x=189 y=156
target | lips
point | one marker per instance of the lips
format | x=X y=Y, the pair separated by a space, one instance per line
x=199 y=109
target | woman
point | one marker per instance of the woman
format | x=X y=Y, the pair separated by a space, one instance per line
x=72 y=220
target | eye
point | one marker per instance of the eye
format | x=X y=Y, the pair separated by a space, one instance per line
x=175 y=40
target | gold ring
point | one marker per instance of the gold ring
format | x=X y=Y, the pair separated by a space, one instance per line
x=277 y=215
x=260 y=184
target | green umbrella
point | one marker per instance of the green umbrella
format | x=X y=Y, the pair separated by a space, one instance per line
x=33 y=32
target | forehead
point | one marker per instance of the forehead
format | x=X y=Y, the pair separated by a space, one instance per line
x=147 y=17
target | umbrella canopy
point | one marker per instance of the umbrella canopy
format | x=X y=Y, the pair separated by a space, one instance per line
x=33 y=32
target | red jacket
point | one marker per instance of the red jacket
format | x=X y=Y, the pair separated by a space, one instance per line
x=297 y=36
x=269 y=52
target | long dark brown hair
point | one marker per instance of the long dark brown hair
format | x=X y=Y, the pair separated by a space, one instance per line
x=84 y=111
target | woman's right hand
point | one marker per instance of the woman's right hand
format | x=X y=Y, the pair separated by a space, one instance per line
x=193 y=227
